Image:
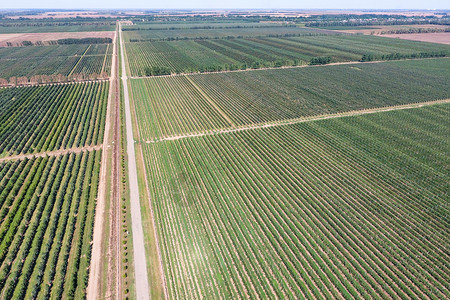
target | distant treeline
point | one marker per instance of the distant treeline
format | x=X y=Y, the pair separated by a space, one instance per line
x=65 y=42
x=71 y=41
x=206 y=27
x=363 y=22
x=398 y=56
x=33 y=23
x=415 y=30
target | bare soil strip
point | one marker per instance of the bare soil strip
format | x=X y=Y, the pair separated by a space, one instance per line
x=96 y=257
x=52 y=153
x=211 y=102
x=302 y=120
x=140 y=265
x=438 y=37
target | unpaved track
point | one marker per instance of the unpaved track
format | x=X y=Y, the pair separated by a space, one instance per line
x=302 y=120
x=114 y=279
x=97 y=251
x=140 y=262
x=52 y=153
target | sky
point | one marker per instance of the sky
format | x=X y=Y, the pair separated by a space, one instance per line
x=270 y=4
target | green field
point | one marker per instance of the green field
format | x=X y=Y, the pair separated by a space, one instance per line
x=43 y=118
x=152 y=35
x=353 y=207
x=187 y=56
x=63 y=60
x=176 y=105
x=47 y=208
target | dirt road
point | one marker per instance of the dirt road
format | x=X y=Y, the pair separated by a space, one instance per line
x=97 y=251
x=140 y=262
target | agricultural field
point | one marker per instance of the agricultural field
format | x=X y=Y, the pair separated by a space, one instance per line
x=176 y=105
x=189 y=33
x=188 y=56
x=56 y=60
x=352 y=207
x=47 y=207
x=50 y=117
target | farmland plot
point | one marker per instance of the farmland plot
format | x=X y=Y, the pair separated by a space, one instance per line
x=43 y=118
x=47 y=208
x=273 y=95
x=231 y=54
x=176 y=105
x=54 y=60
x=352 y=207
x=152 y=35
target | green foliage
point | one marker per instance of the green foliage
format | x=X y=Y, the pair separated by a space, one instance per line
x=48 y=219
x=397 y=56
x=55 y=60
x=321 y=60
x=156 y=71
x=299 y=209
x=71 y=41
x=211 y=55
x=43 y=118
x=168 y=106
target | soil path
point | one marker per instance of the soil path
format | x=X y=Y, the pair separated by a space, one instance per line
x=97 y=251
x=301 y=120
x=140 y=262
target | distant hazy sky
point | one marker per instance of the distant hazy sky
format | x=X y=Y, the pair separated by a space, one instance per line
x=173 y=4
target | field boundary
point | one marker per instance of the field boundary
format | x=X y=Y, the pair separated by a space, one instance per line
x=52 y=153
x=303 y=120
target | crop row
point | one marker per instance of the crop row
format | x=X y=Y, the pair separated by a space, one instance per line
x=53 y=60
x=167 y=106
x=52 y=51
x=43 y=118
x=353 y=207
x=175 y=105
x=272 y=95
x=232 y=54
x=47 y=210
